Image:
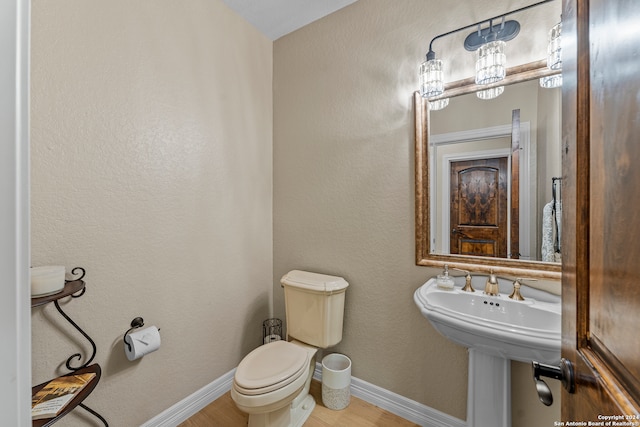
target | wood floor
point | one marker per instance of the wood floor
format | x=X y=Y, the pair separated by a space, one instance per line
x=224 y=413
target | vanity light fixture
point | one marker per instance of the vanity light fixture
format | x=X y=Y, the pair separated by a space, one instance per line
x=490 y=64
x=549 y=82
x=431 y=81
x=554 y=57
x=438 y=104
x=490 y=93
x=554 y=49
x=490 y=44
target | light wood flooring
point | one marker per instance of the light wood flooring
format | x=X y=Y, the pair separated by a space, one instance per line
x=224 y=413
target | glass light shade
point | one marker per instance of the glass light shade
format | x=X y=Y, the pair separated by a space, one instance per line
x=492 y=93
x=490 y=65
x=554 y=48
x=550 y=82
x=438 y=104
x=431 y=82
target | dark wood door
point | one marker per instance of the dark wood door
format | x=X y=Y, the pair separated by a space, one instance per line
x=478 y=215
x=601 y=244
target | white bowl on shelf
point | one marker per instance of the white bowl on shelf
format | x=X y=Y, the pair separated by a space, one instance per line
x=47 y=280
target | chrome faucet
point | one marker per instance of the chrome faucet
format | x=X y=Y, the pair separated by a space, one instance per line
x=491 y=286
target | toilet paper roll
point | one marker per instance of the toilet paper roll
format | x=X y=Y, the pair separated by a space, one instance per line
x=143 y=341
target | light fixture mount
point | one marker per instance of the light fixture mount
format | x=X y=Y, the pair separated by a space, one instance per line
x=504 y=31
x=490 y=63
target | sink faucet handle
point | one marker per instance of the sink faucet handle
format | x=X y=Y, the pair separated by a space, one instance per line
x=467 y=280
x=515 y=294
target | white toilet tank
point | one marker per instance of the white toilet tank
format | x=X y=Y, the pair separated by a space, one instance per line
x=314 y=307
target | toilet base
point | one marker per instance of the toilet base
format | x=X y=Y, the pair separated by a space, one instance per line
x=286 y=417
x=292 y=415
x=300 y=414
x=281 y=417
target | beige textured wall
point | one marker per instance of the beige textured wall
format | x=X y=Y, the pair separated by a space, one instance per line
x=343 y=189
x=152 y=168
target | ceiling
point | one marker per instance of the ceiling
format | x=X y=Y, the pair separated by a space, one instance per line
x=276 y=18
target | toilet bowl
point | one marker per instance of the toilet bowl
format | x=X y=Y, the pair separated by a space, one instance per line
x=272 y=382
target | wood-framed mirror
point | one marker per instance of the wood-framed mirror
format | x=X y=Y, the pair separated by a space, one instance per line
x=433 y=246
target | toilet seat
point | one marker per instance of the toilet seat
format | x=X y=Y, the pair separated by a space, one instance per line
x=271 y=367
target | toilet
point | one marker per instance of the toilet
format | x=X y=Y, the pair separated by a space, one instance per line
x=272 y=382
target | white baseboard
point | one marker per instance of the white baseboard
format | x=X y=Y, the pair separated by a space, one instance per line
x=389 y=401
x=192 y=404
x=396 y=404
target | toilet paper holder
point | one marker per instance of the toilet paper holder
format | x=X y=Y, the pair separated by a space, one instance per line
x=136 y=323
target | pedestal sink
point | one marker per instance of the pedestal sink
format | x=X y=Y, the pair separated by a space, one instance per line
x=495 y=329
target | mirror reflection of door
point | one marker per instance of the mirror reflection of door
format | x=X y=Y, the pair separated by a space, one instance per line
x=470 y=128
x=479 y=207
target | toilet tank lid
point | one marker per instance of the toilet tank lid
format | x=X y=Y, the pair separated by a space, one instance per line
x=314 y=281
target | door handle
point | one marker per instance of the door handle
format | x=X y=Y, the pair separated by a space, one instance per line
x=564 y=372
x=462 y=234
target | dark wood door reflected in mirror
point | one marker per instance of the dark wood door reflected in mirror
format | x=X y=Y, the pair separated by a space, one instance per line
x=478 y=207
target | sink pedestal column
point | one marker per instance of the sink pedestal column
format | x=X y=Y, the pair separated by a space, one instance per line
x=489 y=392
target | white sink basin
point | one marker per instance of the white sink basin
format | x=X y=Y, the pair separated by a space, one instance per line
x=496 y=325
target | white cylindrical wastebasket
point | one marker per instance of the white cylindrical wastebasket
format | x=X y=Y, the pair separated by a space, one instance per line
x=336 y=381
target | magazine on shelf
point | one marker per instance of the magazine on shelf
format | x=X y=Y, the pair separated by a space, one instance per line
x=56 y=395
